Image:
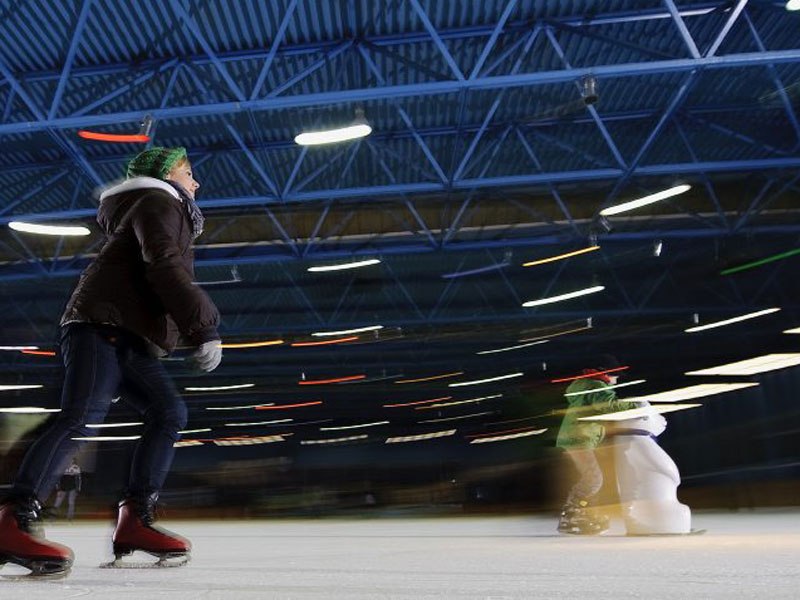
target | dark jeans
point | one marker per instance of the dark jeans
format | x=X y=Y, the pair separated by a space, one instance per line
x=102 y=362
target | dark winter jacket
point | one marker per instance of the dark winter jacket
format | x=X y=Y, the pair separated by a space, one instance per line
x=592 y=396
x=142 y=280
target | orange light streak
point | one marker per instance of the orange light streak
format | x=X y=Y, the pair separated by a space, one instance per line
x=594 y=374
x=335 y=380
x=446 y=375
x=542 y=261
x=39 y=352
x=119 y=138
x=324 y=342
x=418 y=402
x=252 y=344
x=298 y=405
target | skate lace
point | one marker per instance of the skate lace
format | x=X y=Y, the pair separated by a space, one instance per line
x=29 y=518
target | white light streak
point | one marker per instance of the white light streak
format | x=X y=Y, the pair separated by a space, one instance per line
x=375 y=424
x=346 y=331
x=608 y=387
x=203 y=430
x=8 y=388
x=70 y=230
x=331 y=136
x=794 y=330
x=490 y=379
x=753 y=366
x=111 y=425
x=751 y=315
x=638 y=413
x=239 y=407
x=351 y=265
x=421 y=437
x=349 y=438
x=510 y=436
x=19 y=348
x=187 y=443
x=220 y=388
x=258 y=423
x=469 y=416
x=562 y=297
x=691 y=392
x=252 y=441
x=459 y=402
x=645 y=200
x=107 y=438
x=28 y=410
x=507 y=349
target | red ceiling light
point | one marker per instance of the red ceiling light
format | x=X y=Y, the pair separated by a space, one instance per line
x=121 y=138
x=592 y=374
x=118 y=138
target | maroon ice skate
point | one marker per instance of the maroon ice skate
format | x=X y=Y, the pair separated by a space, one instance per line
x=135 y=531
x=22 y=541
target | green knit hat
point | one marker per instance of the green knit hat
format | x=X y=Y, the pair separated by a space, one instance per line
x=155 y=162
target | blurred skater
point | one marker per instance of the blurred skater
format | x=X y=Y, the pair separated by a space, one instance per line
x=128 y=309
x=588 y=395
x=69 y=486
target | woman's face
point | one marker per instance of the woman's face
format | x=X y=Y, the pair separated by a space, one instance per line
x=182 y=174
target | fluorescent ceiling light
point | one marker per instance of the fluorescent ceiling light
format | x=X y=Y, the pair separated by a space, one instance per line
x=257 y=423
x=347 y=331
x=509 y=348
x=793 y=5
x=112 y=425
x=7 y=388
x=17 y=348
x=753 y=366
x=550 y=259
x=608 y=387
x=644 y=201
x=354 y=426
x=28 y=410
x=349 y=438
x=219 y=388
x=691 y=392
x=49 y=229
x=638 y=413
x=479 y=381
x=239 y=407
x=357 y=129
x=568 y=296
x=351 y=265
x=795 y=330
x=510 y=436
x=418 y=438
x=107 y=438
x=752 y=315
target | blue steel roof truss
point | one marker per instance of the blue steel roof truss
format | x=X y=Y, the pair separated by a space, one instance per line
x=472 y=114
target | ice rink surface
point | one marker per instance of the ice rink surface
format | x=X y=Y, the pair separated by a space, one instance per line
x=743 y=555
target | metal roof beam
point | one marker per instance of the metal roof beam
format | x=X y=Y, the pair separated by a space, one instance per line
x=437 y=40
x=275 y=102
x=83 y=16
x=273 y=49
x=682 y=29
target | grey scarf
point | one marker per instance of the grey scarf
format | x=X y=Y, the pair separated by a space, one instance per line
x=192 y=210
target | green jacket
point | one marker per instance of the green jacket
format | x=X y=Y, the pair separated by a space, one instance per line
x=596 y=400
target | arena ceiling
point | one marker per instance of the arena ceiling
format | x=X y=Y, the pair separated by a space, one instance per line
x=486 y=153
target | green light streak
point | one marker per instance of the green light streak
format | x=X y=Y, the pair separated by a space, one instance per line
x=762 y=261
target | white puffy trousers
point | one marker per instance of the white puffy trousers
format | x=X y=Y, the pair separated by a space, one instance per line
x=647 y=481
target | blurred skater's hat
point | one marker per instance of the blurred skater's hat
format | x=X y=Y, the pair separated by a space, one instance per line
x=155 y=162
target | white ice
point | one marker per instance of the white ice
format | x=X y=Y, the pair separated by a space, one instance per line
x=743 y=555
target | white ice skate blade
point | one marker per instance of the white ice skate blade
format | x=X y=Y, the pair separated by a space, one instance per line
x=161 y=563
x=691 y=532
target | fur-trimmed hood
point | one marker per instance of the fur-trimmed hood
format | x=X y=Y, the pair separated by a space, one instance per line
x=113 y=204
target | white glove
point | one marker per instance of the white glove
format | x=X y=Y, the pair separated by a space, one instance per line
x=207 y=356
